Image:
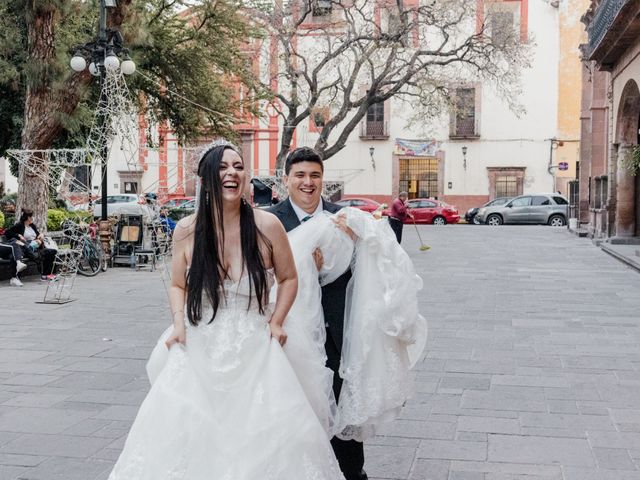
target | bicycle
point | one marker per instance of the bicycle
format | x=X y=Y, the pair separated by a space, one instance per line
x=84 y=239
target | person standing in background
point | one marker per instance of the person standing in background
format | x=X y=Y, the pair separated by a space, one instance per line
x=398 y=214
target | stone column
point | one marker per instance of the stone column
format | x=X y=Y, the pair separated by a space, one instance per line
x=625 y=196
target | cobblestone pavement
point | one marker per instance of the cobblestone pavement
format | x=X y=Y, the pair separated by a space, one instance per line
x=532 y=370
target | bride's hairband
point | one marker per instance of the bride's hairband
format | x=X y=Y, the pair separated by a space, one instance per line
x=220 y=142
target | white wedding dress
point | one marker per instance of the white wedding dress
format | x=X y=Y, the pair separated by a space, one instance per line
x=227 y=406
x=233 y=405
x=384 y=334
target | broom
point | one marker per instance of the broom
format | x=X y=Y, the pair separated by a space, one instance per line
x=423 y=247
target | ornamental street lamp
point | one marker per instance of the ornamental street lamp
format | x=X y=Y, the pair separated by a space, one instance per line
x=106 y=53
x=373 y=160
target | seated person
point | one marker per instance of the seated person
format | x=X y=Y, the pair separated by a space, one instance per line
x=27 y=241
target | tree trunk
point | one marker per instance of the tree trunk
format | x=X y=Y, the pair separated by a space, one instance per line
x=285 y=144
x=39 y=112
x=44 y=105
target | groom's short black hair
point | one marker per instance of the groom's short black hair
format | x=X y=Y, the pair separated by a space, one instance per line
x=302 y=154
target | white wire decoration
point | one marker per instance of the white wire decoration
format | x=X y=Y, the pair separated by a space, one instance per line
x=114 y=127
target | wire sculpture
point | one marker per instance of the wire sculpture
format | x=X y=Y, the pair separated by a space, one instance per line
x=71 y=174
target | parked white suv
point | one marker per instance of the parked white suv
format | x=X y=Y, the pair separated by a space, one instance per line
x=540 y=208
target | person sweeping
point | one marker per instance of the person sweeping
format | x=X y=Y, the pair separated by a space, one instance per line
x=399 y=212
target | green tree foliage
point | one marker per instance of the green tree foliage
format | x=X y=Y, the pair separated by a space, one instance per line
x=192 y=48
x=12 y=86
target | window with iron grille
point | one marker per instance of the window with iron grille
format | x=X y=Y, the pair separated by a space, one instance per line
x=502 y=27
x=464 y=114
x=600 y=194
x=130 y=187
x=395 y=27
x=321 y=8
x=506 y=186
x=375 y=120
x=419 y=177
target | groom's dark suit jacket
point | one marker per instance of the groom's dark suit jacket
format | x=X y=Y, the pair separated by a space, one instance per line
x=333 y=294
x=350 y=454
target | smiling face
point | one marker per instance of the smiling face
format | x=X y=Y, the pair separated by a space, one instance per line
x=304 y=183
x=232 y=176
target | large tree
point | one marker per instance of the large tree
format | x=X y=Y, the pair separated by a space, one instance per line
x=179 y=46
x=337 y=58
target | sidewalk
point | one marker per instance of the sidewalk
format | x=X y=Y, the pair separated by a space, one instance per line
x=532 y=369
x=627 y=254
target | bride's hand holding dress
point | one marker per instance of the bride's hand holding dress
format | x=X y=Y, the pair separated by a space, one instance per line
x=285 y=271
x=179 y=266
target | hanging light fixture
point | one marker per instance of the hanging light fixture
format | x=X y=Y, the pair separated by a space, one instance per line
x=78 y=63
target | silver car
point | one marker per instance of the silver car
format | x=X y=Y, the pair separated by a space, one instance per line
x=539 y=208
x=124 y=203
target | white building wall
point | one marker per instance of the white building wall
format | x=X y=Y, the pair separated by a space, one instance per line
x=10 y=182
x=506 y=140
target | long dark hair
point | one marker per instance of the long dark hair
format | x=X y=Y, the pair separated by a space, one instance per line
x=207 y=272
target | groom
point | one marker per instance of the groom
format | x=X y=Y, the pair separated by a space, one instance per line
x=303 y=177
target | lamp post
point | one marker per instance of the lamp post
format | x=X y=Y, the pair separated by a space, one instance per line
x=464 y=157
x=104 y=53
x=554 y=143
x=373 y=161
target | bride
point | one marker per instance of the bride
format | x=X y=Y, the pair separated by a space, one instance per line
x=226 y=404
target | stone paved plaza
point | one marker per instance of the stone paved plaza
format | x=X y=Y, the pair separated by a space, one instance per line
x=532 y=369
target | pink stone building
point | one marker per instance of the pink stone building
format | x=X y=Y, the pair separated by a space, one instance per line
x=609 y=192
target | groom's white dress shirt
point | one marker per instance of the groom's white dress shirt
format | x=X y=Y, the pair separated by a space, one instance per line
x=301 y=214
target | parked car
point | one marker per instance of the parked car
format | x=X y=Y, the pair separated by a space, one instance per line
x=177 y=202
x=427 y=210
x=364 y=204
x=540 y=208
x=470 y=216
x=124 y=203
x=183 y=210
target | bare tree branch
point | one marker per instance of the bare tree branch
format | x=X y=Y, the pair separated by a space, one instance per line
x=360 y=53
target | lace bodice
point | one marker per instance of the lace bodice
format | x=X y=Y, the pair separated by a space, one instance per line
x=240 y=290
x=238 y=294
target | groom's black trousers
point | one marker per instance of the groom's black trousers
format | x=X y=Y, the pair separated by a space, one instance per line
x=350 y=454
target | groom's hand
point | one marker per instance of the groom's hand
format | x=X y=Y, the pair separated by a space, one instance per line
x=318 y=258
x=341 y=223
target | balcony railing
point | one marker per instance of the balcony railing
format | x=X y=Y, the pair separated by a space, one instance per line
x=374 y=130
x=604 y=17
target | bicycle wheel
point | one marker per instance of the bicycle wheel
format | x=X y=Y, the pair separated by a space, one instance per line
x=91 y=260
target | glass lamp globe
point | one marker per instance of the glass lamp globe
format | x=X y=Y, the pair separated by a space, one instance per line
x=111 y=62
x=93 y=69
x=78 y=63
x=128 y=67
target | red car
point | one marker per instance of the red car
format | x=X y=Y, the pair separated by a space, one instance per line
x=364 y=204
x=425 y=210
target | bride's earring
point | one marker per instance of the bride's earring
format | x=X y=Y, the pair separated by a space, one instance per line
x=244 y=200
